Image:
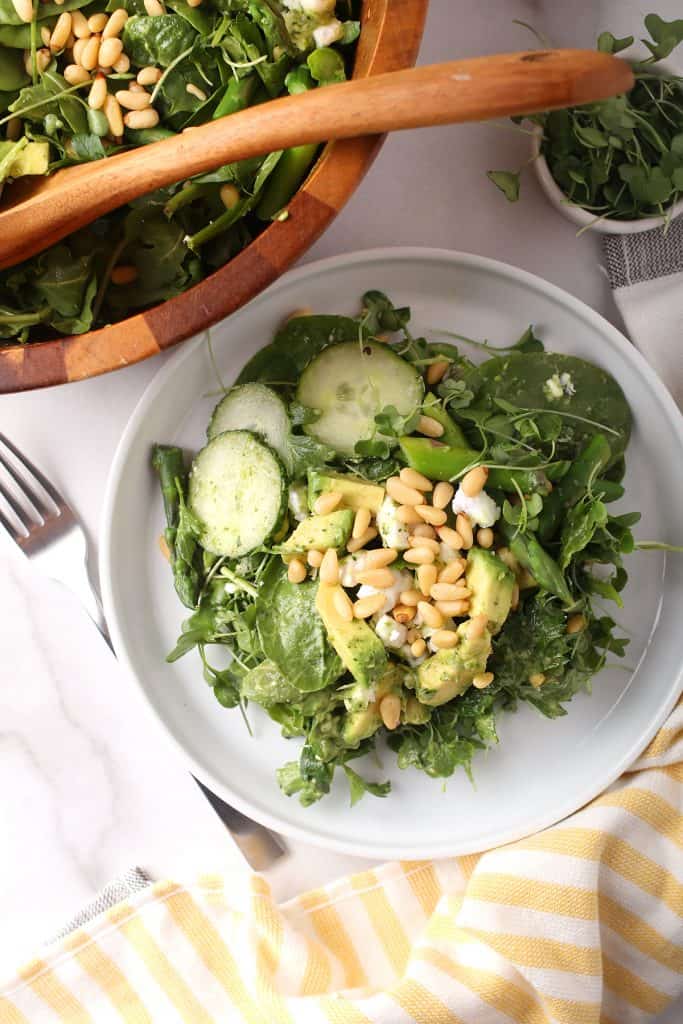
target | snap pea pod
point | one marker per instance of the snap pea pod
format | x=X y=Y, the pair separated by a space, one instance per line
x=291 y=170
x=545 y=570
x=445 y=462
x=143 y=136
x=452 y=434
x=237 y=96
x=586 y=467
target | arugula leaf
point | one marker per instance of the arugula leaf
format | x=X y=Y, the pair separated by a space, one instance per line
x=358 y=786
x=580 y=525
x=307 y=453
x=379 y=314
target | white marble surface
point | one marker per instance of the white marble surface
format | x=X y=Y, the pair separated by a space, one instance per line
x=88 y=785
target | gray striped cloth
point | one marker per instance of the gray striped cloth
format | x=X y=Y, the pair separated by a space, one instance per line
x=646 y=274
x=119 y=889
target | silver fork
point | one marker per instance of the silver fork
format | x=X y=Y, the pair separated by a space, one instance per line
x=42 y=524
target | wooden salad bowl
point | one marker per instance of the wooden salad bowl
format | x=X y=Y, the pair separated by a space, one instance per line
x=391 y=31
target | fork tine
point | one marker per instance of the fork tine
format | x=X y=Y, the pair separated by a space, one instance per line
x=11 y=530
x=21 y=513
x=28 y=488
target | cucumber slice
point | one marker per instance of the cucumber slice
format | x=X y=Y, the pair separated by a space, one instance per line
x=257 y=408
x=238 y=491
x=349 y=385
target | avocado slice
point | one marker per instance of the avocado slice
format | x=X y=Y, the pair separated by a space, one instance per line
x=16 y=162
x=322 y=532
x=448 y=673
x=492 y=584
x=360 y=725
x=356 y=493
x=360 y=649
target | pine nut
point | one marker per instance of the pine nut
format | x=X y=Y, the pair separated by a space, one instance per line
x=436 y=371
x=304 y=311
x=342 y=605
x=110 y=51
x=296 y=571
x=429 y=427
x=406 y=514
x=96 y=22
x=464 y=528
x=359 y=542
x=506 y=556
x=70 y=41
x=411 y=478
x=380 y=557
x=419 y=556
x=476 y=627
x=154 y=8
x=75 y=74
x=473 y=482
x=390 y=710
x=314 y=558
x=424 y=530
x=449 y=592
x=90 y=55
x=433 y=516
x=77 y=50
x=230 y=196
x=79 y=25
x=452 y=572
x=444 y=639
x=14 y=129
x=113 y=27
x=327 y=502
x=430 y=615
x=195 y=91
x=43 y=58
x=418 y=648
x=426 y=578
x=164 y=548
x=450 y=537
x=133 y=100
x=24 y=9
x=136 y=87
x=45 y=35
x=367 y=606
x=402 y=494
x=537 y=679
x=514 y=603
x=329 y=567
x=425 y=542
x=148 y=75
x=98 y=93
x=483 y=680
x=575 y=623
x=361 y=522
x=453 y=609
x=379 y=578
x=404 y=614
x=114 y=116
x=412 y=635
x=197 y=3
x=485 y=537
x=443 y=492
x=138 y=119
x=124 y=273
x=410 y=597
x=122 y=65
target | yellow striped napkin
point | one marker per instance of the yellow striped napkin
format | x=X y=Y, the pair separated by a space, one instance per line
x=582 y=924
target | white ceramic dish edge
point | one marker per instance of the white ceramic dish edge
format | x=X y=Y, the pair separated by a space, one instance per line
x=449 y=847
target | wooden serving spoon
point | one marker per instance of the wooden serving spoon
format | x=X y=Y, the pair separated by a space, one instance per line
x=462 y=90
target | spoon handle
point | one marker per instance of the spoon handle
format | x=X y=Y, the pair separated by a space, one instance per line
x=464 y=90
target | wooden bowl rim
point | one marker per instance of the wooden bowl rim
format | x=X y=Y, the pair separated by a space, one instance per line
x=390 y=39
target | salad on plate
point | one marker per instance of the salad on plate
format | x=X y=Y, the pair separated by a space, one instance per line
x=390 y=540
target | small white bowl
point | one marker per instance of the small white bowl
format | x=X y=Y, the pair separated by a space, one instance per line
x=585 y=218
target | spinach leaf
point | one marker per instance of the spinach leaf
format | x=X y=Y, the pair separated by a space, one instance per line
x=62 y=280
x=310 y=778
x=295 y=345
x=157 y=41
x=266 y=685
x=292 y=633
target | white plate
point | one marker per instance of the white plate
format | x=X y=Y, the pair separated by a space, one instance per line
x=541 y=770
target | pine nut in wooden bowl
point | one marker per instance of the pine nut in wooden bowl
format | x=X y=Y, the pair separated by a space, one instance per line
x=390 y=35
